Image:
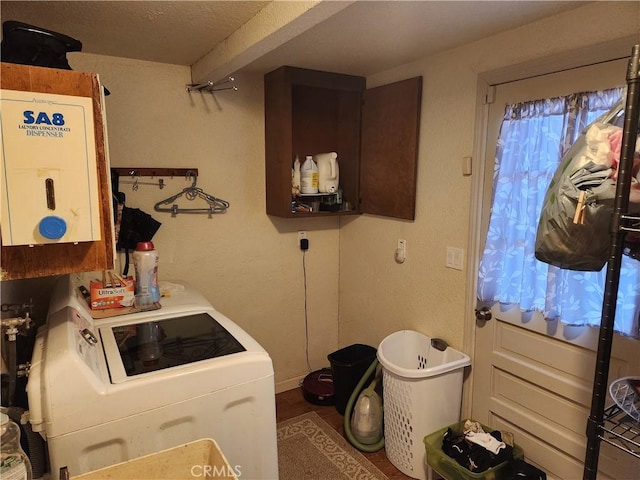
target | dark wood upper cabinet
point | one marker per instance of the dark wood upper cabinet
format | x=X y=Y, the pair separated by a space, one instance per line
x=375 y=133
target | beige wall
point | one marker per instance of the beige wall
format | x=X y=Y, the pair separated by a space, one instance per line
x=249 y=265
x=378 y=296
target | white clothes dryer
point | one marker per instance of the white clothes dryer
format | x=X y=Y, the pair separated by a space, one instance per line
x=106 y=391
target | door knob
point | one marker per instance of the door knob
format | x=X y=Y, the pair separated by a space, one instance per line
x=483 y=314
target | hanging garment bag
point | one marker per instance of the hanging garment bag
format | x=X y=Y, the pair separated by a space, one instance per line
x=573 y=231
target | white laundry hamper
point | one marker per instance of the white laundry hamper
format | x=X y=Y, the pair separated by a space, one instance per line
x=422 y=389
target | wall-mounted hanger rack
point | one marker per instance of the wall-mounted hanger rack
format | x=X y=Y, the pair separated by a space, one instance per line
x=155 y=172
x=215 y=205
x=136 y=182
x=211 y=87
x=134 y=174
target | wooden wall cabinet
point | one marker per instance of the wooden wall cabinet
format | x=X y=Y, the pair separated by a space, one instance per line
x=23 y=261
x=375 y=133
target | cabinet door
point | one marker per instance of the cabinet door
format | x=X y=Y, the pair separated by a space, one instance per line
x=23 y=261
x=389 y=149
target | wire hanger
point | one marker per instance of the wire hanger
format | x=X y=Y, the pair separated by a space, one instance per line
x=216 y=205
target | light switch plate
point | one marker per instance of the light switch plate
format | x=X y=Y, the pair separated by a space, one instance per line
x=454 y=258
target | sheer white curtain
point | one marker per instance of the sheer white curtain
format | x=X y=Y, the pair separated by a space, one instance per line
x=533 y=138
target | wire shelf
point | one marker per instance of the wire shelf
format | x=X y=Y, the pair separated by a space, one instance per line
x=621 y=431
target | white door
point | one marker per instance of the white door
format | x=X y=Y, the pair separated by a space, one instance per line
x=531 y=376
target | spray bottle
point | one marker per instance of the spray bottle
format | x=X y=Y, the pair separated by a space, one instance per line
x=145 y=263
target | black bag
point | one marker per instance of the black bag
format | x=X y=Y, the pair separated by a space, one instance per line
x=573 y=230
x=521 y=470
x=26 y=44
x=30 y=45
x=135 y=226
x=132 y=225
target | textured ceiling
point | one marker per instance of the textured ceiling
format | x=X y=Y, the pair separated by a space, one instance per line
x=221 y=37
x=372 y=36
x=179 y=32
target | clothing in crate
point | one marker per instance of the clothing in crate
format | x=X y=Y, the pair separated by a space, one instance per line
x=475 y=449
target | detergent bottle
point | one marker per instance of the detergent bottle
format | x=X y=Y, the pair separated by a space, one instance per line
x=328 y=172
x=295 y=180
x=145 y=262
x=309 y=176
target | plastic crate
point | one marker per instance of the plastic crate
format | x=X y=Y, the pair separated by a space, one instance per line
x=422 y=388
x=201 y=458
x=448 y=468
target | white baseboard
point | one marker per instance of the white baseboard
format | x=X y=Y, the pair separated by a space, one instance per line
x=289 y=384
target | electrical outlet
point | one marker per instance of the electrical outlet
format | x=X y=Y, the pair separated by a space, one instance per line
x=303 y=240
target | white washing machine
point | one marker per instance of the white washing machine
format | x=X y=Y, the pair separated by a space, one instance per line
x=106 y=391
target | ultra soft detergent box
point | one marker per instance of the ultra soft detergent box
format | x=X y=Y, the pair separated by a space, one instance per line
x=115 y=295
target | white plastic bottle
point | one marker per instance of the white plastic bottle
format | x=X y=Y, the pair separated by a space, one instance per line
x=309 y=176
x=145 y=263
x=14 y=463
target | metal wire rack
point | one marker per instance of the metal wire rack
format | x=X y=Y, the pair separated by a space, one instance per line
x=621 y=431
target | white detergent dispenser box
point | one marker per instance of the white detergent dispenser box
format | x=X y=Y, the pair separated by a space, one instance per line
x=49 y=188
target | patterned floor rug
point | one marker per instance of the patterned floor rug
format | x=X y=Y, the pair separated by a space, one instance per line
x=309 y=449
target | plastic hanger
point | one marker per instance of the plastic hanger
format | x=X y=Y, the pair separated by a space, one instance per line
x=192 y=192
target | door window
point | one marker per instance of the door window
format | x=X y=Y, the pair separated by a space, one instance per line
x=533 y=137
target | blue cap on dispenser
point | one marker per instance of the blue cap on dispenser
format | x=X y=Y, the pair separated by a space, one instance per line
x=52 y=227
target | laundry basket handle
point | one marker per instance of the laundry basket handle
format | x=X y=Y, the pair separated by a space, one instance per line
x=439 y=344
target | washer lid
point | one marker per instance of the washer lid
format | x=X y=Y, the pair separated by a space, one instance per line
x=144 y=347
